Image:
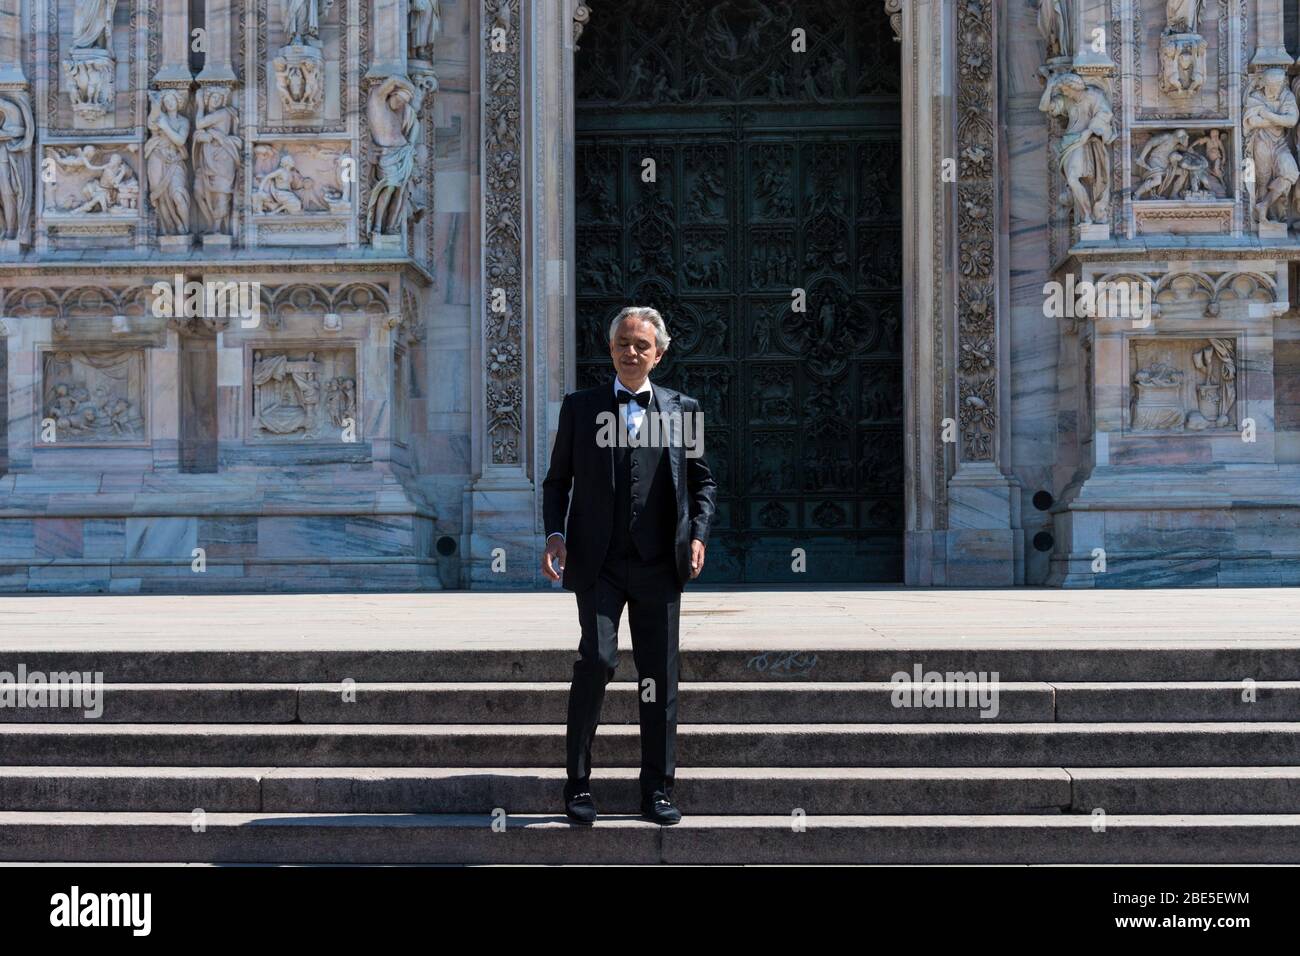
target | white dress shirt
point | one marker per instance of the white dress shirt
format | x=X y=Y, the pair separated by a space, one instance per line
x=631 y=414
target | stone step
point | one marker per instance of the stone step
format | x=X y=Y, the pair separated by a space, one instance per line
x=722 y=790
x=711 y=701
x=700 y=839
x=701 y=745
x=1039 y=660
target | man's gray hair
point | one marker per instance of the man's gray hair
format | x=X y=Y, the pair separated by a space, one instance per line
x=646 y=314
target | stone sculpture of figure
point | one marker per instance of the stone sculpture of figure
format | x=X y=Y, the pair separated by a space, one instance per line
x=16 y=133
x=275 y=190
x=302 y=19
x=395 y=127
x=1214 y=151
x=300 y=83
x=1181 y=16
x=92 y=24
x=115 y=188
x=1155 y=157
x=1055 y=27
x=165 y=155
x=1084 y=155
x=425 y=25
x=217 y=153
x=1270 y=113
x=1225 y=350
x=1182 y=65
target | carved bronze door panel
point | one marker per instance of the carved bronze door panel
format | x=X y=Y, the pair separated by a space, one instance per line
x=719 y=171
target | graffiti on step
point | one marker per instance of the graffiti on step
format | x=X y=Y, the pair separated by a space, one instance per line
x=784 y=663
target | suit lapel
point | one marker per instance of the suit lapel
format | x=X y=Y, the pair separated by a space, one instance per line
x=610 y=404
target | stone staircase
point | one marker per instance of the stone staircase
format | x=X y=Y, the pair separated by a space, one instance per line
x=1116 y=754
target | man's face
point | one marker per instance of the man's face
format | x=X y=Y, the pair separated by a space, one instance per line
x=633 y=349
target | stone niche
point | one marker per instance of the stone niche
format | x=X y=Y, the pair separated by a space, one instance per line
x=1182 y=385
x=94 y=397
x=1180 y=72
x=300 y=193
x=91 y=69
x=94 y=197
x=301 y=85
x=302 y=393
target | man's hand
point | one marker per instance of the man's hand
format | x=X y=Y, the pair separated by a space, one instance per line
x=697 y=557
x=555 y=558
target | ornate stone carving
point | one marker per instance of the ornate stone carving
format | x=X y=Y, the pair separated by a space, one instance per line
x=89 y=77
x=17 y=132
x=1084 y=151
x=581 y=17
x=90 y=188
x=284 y=187
x=1175 y=170
x=300 y=81
x=293 y=392
x=503 y=254
x=1270 y=113
x=1184 y=384
x=96 y=397
x=1182 y=63
x=166 y=164
x=977 y=399
x=895 y=10
x=393 y=112
x=217 y=153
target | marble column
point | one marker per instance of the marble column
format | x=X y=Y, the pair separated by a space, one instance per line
x=174 y=70
x=388 y=38
x=217 y=67
x=1270 y=49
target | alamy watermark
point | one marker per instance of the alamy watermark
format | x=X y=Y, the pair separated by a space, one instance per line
x=212 y=299
x=657 y=430
x=1107 y=299
x=56 y=689
x=922 y=688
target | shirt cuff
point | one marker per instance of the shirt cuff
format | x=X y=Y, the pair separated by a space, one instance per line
x=553 y=534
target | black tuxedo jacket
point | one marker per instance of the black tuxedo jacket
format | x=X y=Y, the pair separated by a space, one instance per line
x=577 y=461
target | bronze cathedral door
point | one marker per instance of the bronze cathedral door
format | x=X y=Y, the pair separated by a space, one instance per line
x=719 y=171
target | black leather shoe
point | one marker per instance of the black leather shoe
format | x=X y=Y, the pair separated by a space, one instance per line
x=660 y=809
x=578 y=806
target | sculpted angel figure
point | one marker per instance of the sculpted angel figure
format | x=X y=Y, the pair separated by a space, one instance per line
x=114 y=187
x=216 y=154
x=165 y=166
x=1084 y=155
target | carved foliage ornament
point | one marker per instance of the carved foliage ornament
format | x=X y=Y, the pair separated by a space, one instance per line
x=976 y=236
x=503 y=256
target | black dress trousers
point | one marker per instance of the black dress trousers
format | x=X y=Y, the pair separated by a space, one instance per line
x=652 y=592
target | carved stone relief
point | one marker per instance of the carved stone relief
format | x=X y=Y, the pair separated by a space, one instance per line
x=95 y=397
x=218 y=153
x=297 y=178
x=301 y=394
x=1183 y=384
x=1174 y=166
x=93 y=181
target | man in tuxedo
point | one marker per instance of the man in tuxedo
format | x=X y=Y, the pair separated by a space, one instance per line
x=643 y=500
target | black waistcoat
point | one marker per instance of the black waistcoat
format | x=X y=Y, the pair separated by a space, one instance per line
x=645 y=507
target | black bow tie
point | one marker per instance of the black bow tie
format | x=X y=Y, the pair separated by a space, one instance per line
x=641 y=398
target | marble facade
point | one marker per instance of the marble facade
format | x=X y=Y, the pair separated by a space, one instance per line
x=382 y=192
